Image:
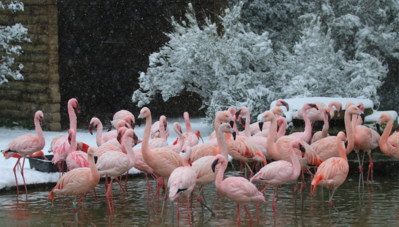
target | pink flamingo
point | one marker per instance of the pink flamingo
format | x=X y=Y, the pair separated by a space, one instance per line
x=333 y=172
x=280 y=172
x=327 y=147
x=281 y=129
x=365 y=139
x=75 y=158
x=78 y=181
x=389 y=145
x=156 y=131
x=61 y=146
x=192 y=138
x=80 y=145
x=161 y=139
x=182 y=182
x=120 y=115
x=100 y=139
x=307 y=134
x=255 y=126
x=162 y=160
x=115 y=163
x=205 y=175
x=237 y=189
x=207 y=149
x=213 y=137
x=324 y=132
x=26 y=145
x=180 y=142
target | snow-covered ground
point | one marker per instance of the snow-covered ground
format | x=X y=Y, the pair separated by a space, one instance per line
x=34 y=177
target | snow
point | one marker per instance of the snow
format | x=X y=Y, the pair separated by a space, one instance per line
x=35 y=177
x=376 y=114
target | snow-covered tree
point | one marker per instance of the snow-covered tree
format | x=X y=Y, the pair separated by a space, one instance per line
x=232 y=69
x=10 y=36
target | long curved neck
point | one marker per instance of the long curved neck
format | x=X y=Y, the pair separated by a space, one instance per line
x=341 y=149
x=223 y=144
x=324 y=131
x=145 y=147
x=220 y=175
x=188 y=124
x=162 y=132
x=282 y=130
x=93 y=168
x=295 y=161
x=39 y=132
x=332 y=111
x=349 y=133
x=270 y=145
x=308 y=124
x=247 y=130
x=72 y=147
x=99 y=134
x=129 y=150
x=72 y=117
x=384 y=137
x=217 y=124
x=181 y=140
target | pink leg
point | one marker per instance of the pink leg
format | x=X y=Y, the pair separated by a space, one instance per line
x=127 y=174
x=148 y=187
x=238 y=215
x=15 y=174
x=22 y=173
x=249 y=215
x=240 y=168
x=120 y=185
x=274 y=192
x=106 y=182
x=159 y=187
x=112 y=196
x=108 y=195
x=188 y=210
x=265 y=188
x=178 y=213
x=82 y=198
x=257 y=213
x=371 y=165
x=95 y=194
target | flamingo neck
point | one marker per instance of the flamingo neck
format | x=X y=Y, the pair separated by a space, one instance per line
x=145 y=147
x=324 y=131
x=349 y=133
x=39 y=132
x=216 y=125
x=247 y=130
x=72 y=117
x=188 y=124
x=99 y=134
x=308 y=124
x=332 y=111
x=95 y=175
x=72 y=146
x=282 y=130
x=295 y=161
x=162 y=132
x=341 y=149
x=220 y=175
x=129 y=150
x=270 y=145
x=384 y=137
x=223 y=144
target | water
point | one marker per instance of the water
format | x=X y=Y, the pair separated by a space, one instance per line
x=375 y=204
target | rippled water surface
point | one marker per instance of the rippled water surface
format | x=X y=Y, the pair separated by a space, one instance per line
x=375 y=204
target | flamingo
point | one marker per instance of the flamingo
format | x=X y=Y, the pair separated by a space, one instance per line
x=280 y=172
x=75 y=158
x=237 y=189
x=61 y=146
x=161 y=139
x=327 y=147
x=115 y=163
x=182 y=182
x=206 y=149
x=100 y=139
x=324 y=133
x=80 y=145
x=192 y=139
x=26 y=145
x=205 y=175
x=307 y=134
x=333 y=172
x=78 y=181
x=389 y=144
x=179 y=146
x=366 y=139
x=255 y=126
x=213 y=137
x=162 y=160
x=281 y=129
x=120 y=115
x=156 y=130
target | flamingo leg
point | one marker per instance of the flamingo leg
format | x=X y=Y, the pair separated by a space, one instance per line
x=95 y=194
x=148 y=187
x=127 y=174
x=274 y=193
x=23 y=177
x=120 y=185
x=75 y=210
x=360 y=168
x=15 y=174
x=199 y=199
x=249 y=215
x=371 y=165
x=238 y=215
x=330 y=203
x=82 y=198
x=188 y=209
x=108 y=195
x=178 y=212
x=296 y=192
x=164 y=199
x=106 y=182
x=264 y=189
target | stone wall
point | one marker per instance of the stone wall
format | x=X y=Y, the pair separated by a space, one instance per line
x=19 y=100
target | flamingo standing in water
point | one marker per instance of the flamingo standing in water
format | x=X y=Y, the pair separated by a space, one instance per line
x=281 y=172
x=389 y=144
x=192 y=138
x=77 y=181
x=237 y=189
x=182 y=182
x=255 y=126
x=115 y=163
x=324 y=132
x=307 y=134
x=201 y=166
x=161 y=138
x=75 y=158
x=162 y=160
x=156 y=130
x=26 y=145
x=333 y=172
x=120 y=115
x=100 y=138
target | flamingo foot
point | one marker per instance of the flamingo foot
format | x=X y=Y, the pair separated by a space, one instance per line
x=199 y=199
x=331 y=205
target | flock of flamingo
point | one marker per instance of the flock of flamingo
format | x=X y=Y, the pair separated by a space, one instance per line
x=187 y=163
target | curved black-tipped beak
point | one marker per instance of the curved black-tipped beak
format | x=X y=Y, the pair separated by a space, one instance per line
x=260 y=125
x=69 y=139
x=165 y=126
x=328 y=116
x=284 y=116
x=41 y=121
x=135 y=138
x=238 y=113
x=363 y=117
x=214 y=163
x=286 y=105
x=313 y=106
x=231 y=123
x=139 y=121
x=91 y=126
x=78 y=109
x=126 y=125
x=278 y=128
x=242 y=121
x=397 y=129
x=378 y=127
x=302 y=149
x=340 y=112
x=132 y=124
x=234 y=135
x=119 y=138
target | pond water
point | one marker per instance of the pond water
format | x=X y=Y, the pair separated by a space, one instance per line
x=375 y=204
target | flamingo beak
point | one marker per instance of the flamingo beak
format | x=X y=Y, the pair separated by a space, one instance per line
x=362 y=116
x=377 y=126
x=165 y=126
x=329 y=116
x=132 y=124
x=69 y=139
x=397 y=129
x=214 y=163
x=260 y=125
x=231 y=122
x=340 y=112
x=91 y=126
x=41 y=119
x=278 y=128
x=242 y=121
x=78 y=109
x=303 y=150
x=234 y=135
x=119 y=138
x=238 y=113
x=313 y=106
x=286 y=105
x=139 y=121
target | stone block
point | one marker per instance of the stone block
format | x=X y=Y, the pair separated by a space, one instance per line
x=37 y=98
x=38 y=39
x=39 y=58
x=10 y=94
x=34 y=10
x=53 y=58
x=54 y=77
x=36 y=87
x=54 y=88
x=9 y=104
x=52 y=19
x=52 y=40
x=55 y=108
x=53 y=48
x=54 y=126
x=55 y=97
x=52 y=29
x=34 y=67
x=36 y=77
x=37 y=28
x=28 y=19
x=13 y=114
x=34 y=49
x=29 y=106
x=34 y=2
x=53 y=68
x=14 y=85
x=53 y=117
x=5 y=19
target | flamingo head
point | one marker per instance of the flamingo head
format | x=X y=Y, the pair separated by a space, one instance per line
x=74 y=103
x=225 y=116
x=91 y=126
x=218 y=159
x=242 y=121
x=281 y=102
x=266 y=116
x=39 y=115
x=384 y=117
x=313 y=106
x=144 y=112
x=278 y=111
x=136 y=139
x=130 y=121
